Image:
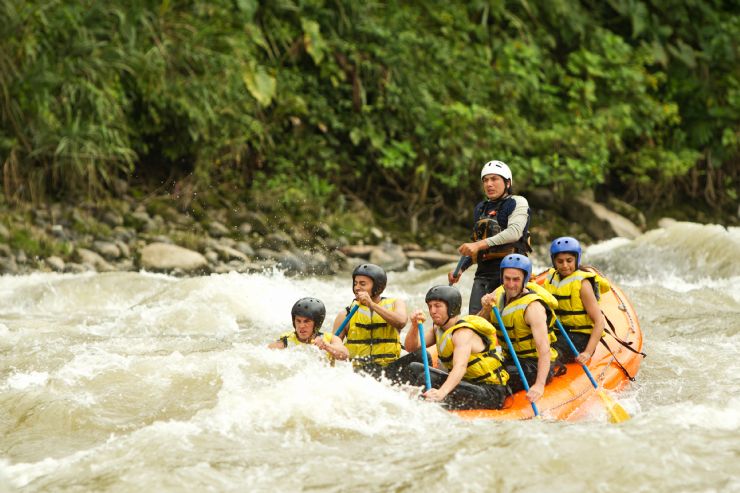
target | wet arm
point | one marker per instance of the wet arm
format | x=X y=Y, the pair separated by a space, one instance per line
x=588 y=298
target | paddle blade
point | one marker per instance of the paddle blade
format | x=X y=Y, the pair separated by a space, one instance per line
x=615 y=413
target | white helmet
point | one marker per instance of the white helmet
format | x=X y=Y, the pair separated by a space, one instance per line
x=497 y=168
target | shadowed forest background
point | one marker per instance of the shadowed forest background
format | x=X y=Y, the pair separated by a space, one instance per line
x=302 y=107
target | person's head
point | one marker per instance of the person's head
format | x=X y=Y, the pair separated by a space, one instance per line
x=308 y=314
x=516 y=270
x=369 y=278
x=565 y=253
x=444 y=303
x=496 y=179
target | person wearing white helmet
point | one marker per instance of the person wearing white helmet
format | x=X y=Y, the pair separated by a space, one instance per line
x=500 y=228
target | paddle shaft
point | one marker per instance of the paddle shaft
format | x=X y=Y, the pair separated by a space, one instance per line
x=514 y=356
x=575 y=352
x=346 y=320
x=424 y=357
x=459 y=266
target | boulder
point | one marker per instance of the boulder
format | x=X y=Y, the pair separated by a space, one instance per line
x=600 y=222
x=55 y=263
x=278 y=240
x=107 y=249
x=93 y=259
x=362 y=251
x=389 y=256
x=217 y=230
x=227 y=253
x=165 y=257
x=433 y=257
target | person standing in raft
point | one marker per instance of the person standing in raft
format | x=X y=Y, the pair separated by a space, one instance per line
x=308 y=314
x=373 y=333
x=526 y=310
x=577 y=290
x=500 y=227
x=468 y=350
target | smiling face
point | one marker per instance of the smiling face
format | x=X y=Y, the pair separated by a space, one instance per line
x=513 y=280
x=494 y=186
x=438 y=312
x=565 y=264
x=362 y=284
x=303 y=327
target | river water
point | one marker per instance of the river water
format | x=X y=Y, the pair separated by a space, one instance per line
x=136 y=381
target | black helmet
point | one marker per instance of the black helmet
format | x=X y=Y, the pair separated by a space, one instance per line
x=374 y=272
x=311 y=308
x=450 y=295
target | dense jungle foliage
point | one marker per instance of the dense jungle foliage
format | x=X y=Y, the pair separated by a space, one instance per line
x=306 y=105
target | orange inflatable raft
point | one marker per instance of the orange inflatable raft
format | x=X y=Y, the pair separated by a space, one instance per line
x=572 y=396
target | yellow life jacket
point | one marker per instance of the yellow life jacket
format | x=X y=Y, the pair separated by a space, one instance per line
x=370 y=339
x=291 y=339
x=567 y=291
x=483 y=367
x=513 y=317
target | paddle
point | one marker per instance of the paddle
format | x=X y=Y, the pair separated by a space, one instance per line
x=424 y=357
x=615 y=412
x=346 y=320
x=459 y=266
x=514 y=356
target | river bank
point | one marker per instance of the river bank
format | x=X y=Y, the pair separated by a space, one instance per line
x=161 y=233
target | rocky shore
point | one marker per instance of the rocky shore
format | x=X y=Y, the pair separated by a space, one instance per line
x=153 y=234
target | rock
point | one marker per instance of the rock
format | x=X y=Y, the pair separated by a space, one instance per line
x=123 y=247
x=109 y=251
x=112 y=218
x=323 y=230
x=267 y=254
x=278 y=240
x=165 y=257
x=362 y=251
x=419 y=264
x=666 y=222
x=55 y=263
x=629 y=211
x=227 y=253
x=74 y=268
x=211 y=256
x=57 y=230
x=8 y=266
x=217 y=230
x=226 y=241
x=390 y=257
x=245 y=248
x=290 y=262
x=140 y=220
x=245 y=229
x=21 y=257
x=376 y=233
x=4 y=233
x=433 y=258
x=600 y=222
x=259 y=222
x=5 y=250
x=93 y=259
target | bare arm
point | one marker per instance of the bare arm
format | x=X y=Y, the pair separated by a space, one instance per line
x=463 y=341
x=397 y=317
x=335 y=348
x=412 y=343
x=591 y=304
x=537 y=320
x=277 y=345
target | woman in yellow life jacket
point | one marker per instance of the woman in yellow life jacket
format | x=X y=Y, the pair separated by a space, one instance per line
x=373 y=333
x=577 y=291
x=308 y=314
x=467 y=349
x=528 y=320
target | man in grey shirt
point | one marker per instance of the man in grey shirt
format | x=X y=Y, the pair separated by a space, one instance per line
x=500 y=227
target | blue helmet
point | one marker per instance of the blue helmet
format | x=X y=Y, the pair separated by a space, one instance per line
x=517 y=261
x=565 y=244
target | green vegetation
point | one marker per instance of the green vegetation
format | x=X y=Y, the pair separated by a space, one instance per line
x=302 y=107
